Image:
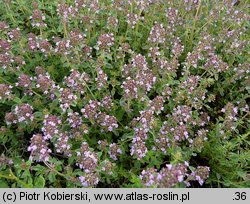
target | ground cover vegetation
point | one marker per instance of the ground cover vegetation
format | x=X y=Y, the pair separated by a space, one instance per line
x=124 y=93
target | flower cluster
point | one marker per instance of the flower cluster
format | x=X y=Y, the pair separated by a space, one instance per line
x=198 y=142
x=63 y=46
x=130 y=88
x=78 y=128
x=62 y=144
x=25 y=82
x=104 y=90
x=74 y=120
x=182 y=114
x=114 y=151
x=101 y=78
x=3 y=26
x=107 y=103
x=191 y=4
x=171 y=175
x=15 y=34
x=76 y=81
x=172 y=15
x=32 y=46
x=149 y=177
x=76 y=37
x=90 y=179
x=51 y=124
x=90 y=110
x=177 y=48
x=66 y=98
x=200 y=174
x=156 y=104
x=108 y=167
x=66 y=11
x=38 y=19
x=5 y=55
x=139 y=149
x=112 y=22
x=157 y=33
x=5 y=161
x=44 y=46
x=214 y=62
x=107 y=122
x=140 y=77
x=162 y=140
x=5 y=46
x=242 y=71
x=5 y=91
x=132 y=20
x=86 y=159
x=145 y=119
x=38 y=148
x=10 y=118
x=24 y=113
x=105 y=41
x=45 y=83
x=230 y=116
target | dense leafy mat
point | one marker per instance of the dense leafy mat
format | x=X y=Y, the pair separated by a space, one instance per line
x=138 y=93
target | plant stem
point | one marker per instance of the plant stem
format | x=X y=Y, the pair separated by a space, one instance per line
x=13 y=177
x=57 y=172
x=194 y=24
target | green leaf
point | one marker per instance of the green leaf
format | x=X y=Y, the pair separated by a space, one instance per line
x=135 y=179
x=17 y=100
x=39 y=182
x=241 y=174
x=3 y=184
x=38 y=168
x=38 y=114
x=52 y=177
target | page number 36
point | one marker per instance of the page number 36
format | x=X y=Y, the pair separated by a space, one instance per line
x=240 y=196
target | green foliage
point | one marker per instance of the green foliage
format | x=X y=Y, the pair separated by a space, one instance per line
x=186 y=61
